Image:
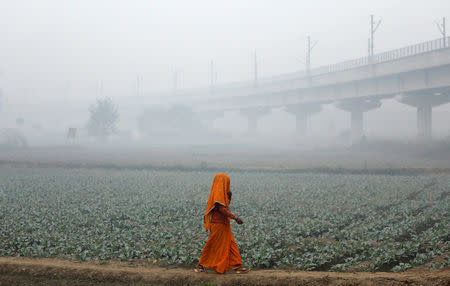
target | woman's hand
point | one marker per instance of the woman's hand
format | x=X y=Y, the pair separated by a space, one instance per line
x=239 y=221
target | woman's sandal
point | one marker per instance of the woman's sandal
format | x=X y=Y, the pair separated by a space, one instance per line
x=240 y=270
x=200 y=269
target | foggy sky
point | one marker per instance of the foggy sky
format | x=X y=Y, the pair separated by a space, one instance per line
x=106 y=44
x=58 y=56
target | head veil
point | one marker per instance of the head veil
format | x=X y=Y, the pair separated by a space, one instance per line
x=219 y=189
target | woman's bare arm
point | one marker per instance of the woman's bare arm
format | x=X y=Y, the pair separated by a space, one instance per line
x=223 y=210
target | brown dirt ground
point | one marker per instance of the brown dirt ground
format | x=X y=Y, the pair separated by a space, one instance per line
x=31 y=271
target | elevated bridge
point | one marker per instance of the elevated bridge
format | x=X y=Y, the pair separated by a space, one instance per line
x=417 y=75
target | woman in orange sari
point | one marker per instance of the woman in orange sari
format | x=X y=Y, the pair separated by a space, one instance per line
x=220 y=252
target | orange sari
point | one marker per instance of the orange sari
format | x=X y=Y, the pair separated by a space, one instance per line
x=220 y=252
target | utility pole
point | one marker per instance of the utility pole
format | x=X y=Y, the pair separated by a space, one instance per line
x=67 y=88
x=212 y=73
x=373 y=28
x=256 y=70
x=175 y=82
x=213 y=76
x=308 y=55
x=1 y=94
x=138 y=85
x=100 y=88
x=441 y=27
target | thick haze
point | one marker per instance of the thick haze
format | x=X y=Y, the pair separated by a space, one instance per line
x=82 y=49
x=84 y=40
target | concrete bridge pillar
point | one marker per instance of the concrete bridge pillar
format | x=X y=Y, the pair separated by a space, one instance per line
x=302 y=112
x=357 y=125
x=208 y=118
x=357 y=107
x=424 y=122
x=253 y=114
x=424 y=104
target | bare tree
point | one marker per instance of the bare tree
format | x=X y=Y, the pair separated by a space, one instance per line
x=103 y=118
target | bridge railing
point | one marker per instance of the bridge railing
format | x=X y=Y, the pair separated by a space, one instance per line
x=364 y=61
x=412 y=50
x=417 y=49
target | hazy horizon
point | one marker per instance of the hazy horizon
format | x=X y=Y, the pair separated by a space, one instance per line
x=58 y=57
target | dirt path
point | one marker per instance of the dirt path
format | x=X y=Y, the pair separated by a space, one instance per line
x=28 y=271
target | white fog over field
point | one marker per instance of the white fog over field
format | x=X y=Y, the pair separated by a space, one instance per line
x=169 y=70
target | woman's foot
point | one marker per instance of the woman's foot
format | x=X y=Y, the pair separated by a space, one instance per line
x=240 y=270
x=200 y=269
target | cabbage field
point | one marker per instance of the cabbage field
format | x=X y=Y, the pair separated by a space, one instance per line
x=304 y=221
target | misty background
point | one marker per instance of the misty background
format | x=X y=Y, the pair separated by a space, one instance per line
x=58 y=57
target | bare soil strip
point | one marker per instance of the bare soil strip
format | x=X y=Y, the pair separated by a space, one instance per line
x=30 y=271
